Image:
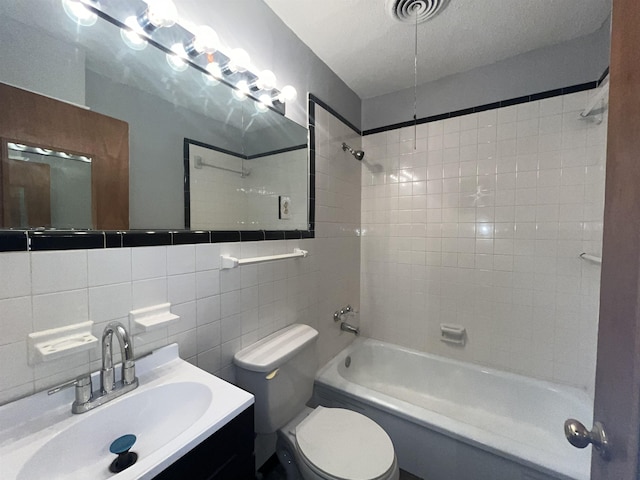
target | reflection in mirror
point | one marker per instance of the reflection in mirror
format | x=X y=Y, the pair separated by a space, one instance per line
x=46 y=193
x=94 y=66
x=242 y=189
x=46 y=188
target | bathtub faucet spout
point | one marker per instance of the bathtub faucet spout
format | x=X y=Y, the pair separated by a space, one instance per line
x=345 y=327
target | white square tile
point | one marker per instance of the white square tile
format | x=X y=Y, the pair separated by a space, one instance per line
x=209 y=360
x=110 y=302
x=231 y=328
x=181 y=259
x=148 y=262
x=58 y=271
x=187 y=343
x=208 y=336
x=182 y=288
x=14 y=371
x=230 y=279
x=207 y=256
x=228 y=350
x=109 y=265
x=15 y=319
x=16 y=272
x=188 y=321
x=55 y=310
x=147 y=293
x=230 y=303
x=207 y=283
x=207 y=310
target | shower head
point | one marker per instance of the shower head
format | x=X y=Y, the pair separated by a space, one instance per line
x=358 y=154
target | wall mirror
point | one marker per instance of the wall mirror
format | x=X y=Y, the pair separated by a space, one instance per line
x=171 y=110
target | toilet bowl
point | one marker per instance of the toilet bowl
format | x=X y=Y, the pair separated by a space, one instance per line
x=336 y=444
x=312 y=444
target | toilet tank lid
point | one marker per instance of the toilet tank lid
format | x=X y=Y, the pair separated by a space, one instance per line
x=276 y=349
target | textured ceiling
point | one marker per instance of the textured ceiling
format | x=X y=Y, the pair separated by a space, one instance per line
x=374 y=54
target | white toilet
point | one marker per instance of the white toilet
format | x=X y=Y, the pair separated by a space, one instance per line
x=313 y=444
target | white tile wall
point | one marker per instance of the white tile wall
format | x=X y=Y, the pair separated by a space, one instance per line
x=221 y=311
x=481 y=225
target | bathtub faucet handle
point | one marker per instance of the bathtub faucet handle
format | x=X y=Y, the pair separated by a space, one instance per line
x=348 y=311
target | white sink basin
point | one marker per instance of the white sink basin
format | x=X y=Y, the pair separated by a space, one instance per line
x=175 y=407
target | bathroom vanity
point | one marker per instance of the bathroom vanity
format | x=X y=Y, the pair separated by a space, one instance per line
x=228 y=453
x=187 y=423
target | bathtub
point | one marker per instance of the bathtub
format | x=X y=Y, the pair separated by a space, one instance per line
x=451 y=420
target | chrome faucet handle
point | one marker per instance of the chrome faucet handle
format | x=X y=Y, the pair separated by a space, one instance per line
x=128 y=372
x=83 y=390
x=338 y=314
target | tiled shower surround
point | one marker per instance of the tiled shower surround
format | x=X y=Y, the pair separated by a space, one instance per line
x=479 y=221
x=221 y=310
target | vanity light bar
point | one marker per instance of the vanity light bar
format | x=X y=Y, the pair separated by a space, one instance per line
x=200 y=46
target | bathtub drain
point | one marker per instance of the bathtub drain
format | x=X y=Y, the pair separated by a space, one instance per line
x=347 y=361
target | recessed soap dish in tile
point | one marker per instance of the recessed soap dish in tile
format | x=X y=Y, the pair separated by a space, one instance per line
x=59 y=342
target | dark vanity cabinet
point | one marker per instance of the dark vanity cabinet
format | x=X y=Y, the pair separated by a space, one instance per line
x=225 y=455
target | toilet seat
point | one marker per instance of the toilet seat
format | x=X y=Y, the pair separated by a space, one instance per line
x=344 y=445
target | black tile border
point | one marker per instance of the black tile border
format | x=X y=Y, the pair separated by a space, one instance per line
x=276 y=152
x=190 y=237
x=146 y=238
x=490 y=106
x=328 y=108
x=13 y=241
x=64 y=240
x=251 y=236
x=224 y=236
x=113 y=239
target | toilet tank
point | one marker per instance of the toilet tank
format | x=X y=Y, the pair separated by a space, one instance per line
x=279 y=370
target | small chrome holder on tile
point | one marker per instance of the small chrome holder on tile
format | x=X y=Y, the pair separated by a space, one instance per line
x=454 y=334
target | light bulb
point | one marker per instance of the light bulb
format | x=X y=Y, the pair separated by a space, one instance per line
x=239 y=60
x=288 y=94
x=266 y=80
x=77 y=11
x=242 y=90
x=214 y=73
x=205 y=40
x=133 y=37
x=261 y=107
x=263 y=103
x=265 y=99
x=176 y=60
x=159 y=13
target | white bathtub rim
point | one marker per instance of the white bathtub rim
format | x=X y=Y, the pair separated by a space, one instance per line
x=554 y=464
x=555 y=387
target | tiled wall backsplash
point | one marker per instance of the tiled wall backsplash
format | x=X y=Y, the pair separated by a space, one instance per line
x=221 y=310
x=480 y=222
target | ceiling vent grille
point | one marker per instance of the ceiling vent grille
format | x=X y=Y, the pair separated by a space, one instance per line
x=405 y=10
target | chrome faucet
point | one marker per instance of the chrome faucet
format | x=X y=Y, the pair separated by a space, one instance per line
x=86 y=398
x=339 y=315
x=107 y=377
x=345 y=327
